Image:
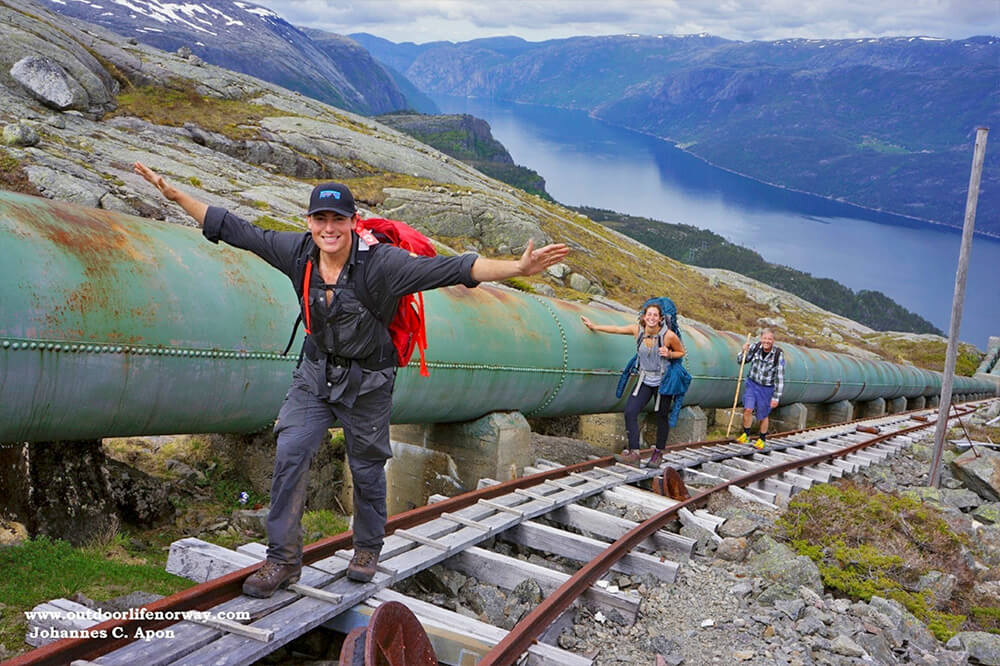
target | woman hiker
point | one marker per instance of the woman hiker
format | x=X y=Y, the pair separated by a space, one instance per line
x=656 y=346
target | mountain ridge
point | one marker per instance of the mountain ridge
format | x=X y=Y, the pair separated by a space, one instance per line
x=883 y=123
x=234 y=34
x=257 y=149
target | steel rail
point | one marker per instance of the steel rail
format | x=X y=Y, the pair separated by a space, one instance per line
x=211 y=593
x=216 y=591
x=526 y=632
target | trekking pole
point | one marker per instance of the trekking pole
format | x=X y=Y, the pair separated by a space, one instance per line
x=736 y=396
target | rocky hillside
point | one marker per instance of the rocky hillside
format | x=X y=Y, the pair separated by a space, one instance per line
x=885 y=123
x=701 y=247
x=79 y=105
x=246 y=37
x=469 y=139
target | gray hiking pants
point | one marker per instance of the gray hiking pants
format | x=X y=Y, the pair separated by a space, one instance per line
x=303 y=425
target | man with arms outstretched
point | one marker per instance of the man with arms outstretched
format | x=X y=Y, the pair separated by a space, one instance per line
x=349 y=362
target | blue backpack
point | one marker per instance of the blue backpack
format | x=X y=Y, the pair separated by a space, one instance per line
x=677 y=379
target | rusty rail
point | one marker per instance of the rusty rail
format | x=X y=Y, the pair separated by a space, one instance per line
x=211 y=593
x=526 y=632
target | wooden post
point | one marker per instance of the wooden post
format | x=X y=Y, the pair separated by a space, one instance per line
x=979 y=154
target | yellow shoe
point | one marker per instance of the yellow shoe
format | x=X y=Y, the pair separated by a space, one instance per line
x=742 y=439
x=759 y=444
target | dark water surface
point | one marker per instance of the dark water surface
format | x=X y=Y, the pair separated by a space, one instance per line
x=587 y=162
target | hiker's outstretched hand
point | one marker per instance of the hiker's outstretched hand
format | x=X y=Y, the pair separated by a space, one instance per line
x=168 y=191
x=535 y=261
x=192 y=206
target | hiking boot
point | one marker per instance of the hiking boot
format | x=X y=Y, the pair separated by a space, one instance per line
x=362 y=566
x=656 y=459
x=269 y=578
x=628 y=457
x=759 y=444
x=743 y=439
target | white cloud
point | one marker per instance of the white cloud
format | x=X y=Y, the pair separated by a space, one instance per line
x=536 y=20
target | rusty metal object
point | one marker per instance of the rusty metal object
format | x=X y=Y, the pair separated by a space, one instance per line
x=526 y=632
x=352 y=653
x=670 y=484
x=871 y=430
x=131 y=313
x=393 y=637
x=214 y=592
x=920 y=417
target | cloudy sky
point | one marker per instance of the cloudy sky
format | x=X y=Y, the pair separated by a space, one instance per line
x=535 y=20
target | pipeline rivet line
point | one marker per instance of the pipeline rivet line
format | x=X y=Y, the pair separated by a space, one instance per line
x=565 y=358
x=74 y=347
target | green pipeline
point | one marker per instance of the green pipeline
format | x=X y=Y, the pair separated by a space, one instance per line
x=112 y=325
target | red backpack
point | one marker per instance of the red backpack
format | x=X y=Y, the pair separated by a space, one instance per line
x=407 y=328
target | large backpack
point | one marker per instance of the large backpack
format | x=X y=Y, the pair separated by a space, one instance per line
x=667 y=309
x=676 y=379
x=407 y=328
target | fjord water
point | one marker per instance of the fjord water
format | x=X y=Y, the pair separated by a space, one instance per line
x=588 y=162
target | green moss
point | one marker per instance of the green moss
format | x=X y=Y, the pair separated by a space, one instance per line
x=179 y=103
x=259 y=205
x=866 y=543
x=196 y=182
x=268 y=222
x=13 y=177
x=519 y=284
x=318 y=524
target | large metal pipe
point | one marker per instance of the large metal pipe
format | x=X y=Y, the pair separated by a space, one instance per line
x=113 y=325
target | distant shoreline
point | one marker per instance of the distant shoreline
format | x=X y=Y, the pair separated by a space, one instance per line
x=919 y=220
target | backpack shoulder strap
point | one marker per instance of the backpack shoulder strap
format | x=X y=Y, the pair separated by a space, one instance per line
x=360 y=283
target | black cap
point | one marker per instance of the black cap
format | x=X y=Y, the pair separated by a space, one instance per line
x=332 y=196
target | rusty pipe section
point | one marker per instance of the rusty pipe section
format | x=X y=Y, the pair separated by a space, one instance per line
x=112 y=325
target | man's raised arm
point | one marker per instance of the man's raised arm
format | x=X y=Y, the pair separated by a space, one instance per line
x=193 y=207
x=531 y=262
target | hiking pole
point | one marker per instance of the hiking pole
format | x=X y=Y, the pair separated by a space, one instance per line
x=736 y=396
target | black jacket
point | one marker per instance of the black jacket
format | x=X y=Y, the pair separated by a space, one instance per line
x=344 y=333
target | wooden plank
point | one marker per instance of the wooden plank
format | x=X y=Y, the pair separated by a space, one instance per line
x=62 y=615
x=688 y=518
x=612 y=527
x=231 y=627
x=412 y=536
x=629 y=496
x=776 y=487
x=288 y=622
x=703 y=477
x=606 y=480
x=704 y=515
x=797 y=480
x=725 y=471
x=745 y=465
x=458 y=640
x=583 y=549
x=751 y=496
x=188 y=636
x=508 y=572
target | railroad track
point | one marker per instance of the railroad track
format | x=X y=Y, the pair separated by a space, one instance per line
x=453 y=530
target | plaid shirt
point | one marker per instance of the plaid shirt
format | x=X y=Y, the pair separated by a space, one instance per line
x=766 y=369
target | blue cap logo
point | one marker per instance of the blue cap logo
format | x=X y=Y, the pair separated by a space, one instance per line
x=326 y=194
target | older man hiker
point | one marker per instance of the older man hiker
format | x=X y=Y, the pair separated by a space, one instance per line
x=349 y=362
x=765 y=381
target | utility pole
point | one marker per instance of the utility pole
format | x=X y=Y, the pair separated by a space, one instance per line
x=941 y=429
